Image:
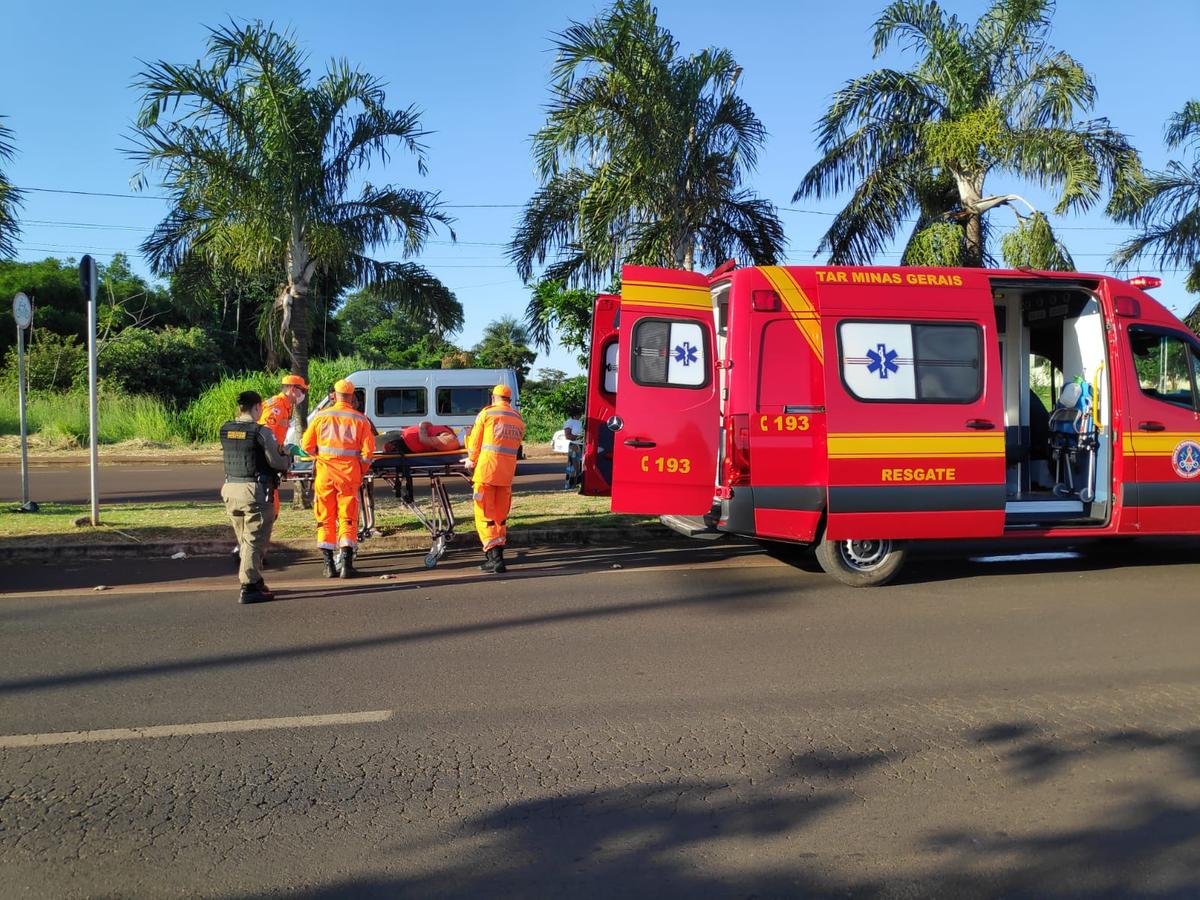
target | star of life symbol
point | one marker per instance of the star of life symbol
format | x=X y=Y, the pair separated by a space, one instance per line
x=882 y=360
x=1186 y=459
x=685 y=353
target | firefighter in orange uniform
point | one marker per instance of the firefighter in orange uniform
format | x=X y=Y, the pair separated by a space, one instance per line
x=277 y=413
x=492 y=447
x=342 y=442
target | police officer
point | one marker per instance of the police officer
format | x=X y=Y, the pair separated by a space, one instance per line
x=253 y=462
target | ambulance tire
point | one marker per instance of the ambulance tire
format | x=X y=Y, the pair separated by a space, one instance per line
x=861 y=563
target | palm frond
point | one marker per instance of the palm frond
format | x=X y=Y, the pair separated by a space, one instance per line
x=11 y=198
x=411 y=289
x=1184 y=126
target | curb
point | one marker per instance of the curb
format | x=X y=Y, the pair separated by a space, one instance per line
x=303 y=549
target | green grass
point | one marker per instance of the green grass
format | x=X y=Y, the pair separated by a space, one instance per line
x=201 y=420
x=179 y=521
x=61 y=420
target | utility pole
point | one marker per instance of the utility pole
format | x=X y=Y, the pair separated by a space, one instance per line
x=23 y=314
x=88 y=280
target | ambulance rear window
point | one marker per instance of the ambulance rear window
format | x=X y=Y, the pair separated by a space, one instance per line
x=913 y=362
x=669 y=353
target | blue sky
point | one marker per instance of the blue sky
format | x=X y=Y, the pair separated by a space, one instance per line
x=479 y=71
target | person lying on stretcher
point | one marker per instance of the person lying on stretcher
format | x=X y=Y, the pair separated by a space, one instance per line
x=425 y=437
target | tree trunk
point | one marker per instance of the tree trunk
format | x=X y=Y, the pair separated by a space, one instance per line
x=973 y=255
x=297 y=327
x=970 y=192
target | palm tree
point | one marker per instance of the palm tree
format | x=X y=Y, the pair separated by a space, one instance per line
x=260 y=162
x=995 y=98
x=1166 y=207
x=10 y=198
x=505 y=345
x=642 y=157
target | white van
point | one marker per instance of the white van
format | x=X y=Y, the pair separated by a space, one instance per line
x=396 y=398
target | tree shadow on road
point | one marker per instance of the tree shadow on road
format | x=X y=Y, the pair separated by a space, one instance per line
x=698 y=838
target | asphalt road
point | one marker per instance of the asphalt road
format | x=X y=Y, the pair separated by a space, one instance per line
x=701 y=721
x=199 y=481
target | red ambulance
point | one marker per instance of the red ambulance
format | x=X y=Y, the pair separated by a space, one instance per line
x=856 y=409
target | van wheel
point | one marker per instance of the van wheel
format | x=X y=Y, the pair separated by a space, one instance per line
x=861 y=563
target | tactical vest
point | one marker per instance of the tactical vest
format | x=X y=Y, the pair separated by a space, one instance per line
x=244 y=455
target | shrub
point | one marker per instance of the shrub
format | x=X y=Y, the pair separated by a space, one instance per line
x=544 y=408
x=53 y=362
x=174 y=363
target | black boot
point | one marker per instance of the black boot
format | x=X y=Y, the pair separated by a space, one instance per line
x=346 y=563
x=251 y=594
x=500 y=567
x=262 y=588
x=329 y=570
x=489 y=565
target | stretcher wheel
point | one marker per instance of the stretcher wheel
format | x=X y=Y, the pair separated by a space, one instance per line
x=431 y=560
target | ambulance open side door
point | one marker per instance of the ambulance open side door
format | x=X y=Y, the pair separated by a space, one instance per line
x=666 y=426
x=915 y=409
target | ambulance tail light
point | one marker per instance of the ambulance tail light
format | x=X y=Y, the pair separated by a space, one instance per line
x=737 y=449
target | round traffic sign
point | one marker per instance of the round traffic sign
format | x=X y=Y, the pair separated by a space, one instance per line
x=22 y=310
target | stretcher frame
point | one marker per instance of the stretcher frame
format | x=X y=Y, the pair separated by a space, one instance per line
x=400 y=470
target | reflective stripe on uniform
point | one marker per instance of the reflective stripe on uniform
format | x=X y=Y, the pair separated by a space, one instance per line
x=341 y=414
x=507 y=413
x=496 y=448
x=336 y=451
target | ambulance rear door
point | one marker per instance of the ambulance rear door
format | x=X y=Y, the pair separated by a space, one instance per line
x=666 y=427
x=601 y=397
x=915 y=407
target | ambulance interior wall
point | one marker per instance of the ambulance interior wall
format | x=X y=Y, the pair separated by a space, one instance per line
x=1084 y=355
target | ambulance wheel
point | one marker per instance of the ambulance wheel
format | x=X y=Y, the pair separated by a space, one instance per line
x=861 y=563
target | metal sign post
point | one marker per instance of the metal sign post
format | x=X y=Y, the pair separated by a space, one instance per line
x=88 y=280
x=23 y=314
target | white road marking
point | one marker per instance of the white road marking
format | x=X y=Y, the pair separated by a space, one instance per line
x=52 y=739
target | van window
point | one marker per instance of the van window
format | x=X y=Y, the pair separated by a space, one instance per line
x=462 y=401
x=1164 y=366
x=611 y=353
x=670 y=353
x=409 y=401
x=912 y=361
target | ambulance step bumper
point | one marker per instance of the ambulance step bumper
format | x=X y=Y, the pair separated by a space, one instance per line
x=692 y=527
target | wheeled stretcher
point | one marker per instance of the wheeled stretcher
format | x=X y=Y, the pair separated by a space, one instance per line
x=402 y=471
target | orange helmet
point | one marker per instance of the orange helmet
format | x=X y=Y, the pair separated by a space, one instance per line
x=345 y=386
x=502 y=390
x=295 y=381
